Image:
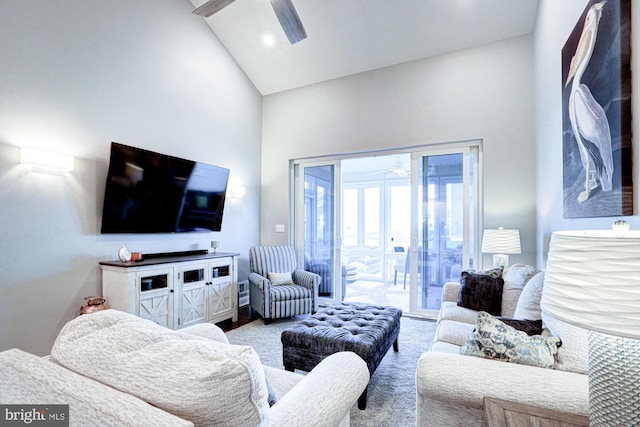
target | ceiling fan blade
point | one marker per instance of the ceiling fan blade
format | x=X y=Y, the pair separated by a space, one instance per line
x=211 y=7
x=289 y=20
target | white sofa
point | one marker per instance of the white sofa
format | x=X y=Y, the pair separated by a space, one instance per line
x=450 y=387
x=116 y=369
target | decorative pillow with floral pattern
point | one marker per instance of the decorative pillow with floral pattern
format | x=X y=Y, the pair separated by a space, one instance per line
x=493 y=339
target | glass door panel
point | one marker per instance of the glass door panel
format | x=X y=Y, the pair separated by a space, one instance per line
x=350 y=217
x=445 y=225
x=317 y=183
x=372 y=217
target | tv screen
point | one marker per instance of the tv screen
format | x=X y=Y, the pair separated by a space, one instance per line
x=148 y=192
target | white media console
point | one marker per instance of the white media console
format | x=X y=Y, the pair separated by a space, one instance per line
x=174 y=291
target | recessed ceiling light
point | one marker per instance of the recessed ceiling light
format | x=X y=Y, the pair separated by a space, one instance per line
x=268 y=40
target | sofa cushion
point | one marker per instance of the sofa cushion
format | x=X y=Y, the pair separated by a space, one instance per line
x=445 y=347
x=573 y=356
x=453 y=332
x=481 y=292
x=450 y=310
x=206 y=382
x=515 y=279
x=494 y=339
x=528 y=306
x=281 y=278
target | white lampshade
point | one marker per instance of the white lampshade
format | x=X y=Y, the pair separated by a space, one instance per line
x=501 y=241
x=592 y=280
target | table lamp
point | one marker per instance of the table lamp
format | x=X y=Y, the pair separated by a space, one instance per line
x=592 y=280
x=501 y=242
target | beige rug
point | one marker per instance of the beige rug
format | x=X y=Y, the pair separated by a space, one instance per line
x=391 y=397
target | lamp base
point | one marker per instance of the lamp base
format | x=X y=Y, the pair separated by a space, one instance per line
x=500 y=260
x=614 y=381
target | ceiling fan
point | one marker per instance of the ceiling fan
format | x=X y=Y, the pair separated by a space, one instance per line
x=399 y=168
x=286 y=13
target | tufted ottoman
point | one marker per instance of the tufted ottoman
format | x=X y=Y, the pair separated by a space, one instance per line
x=365 y=329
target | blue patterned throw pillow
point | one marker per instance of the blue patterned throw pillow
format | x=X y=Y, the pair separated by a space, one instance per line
x=493 y=339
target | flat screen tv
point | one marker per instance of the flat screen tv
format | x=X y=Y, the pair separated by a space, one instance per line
x=149 y=192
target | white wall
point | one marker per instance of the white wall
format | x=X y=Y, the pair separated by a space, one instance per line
x=556 y=20
x=75 y=76
x=483 y=93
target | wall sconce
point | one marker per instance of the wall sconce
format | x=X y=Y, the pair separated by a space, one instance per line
x=48 y=159
x=236 y=191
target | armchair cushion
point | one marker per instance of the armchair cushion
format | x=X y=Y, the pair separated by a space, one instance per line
x=218 y=384
x=277 y=279
x=272 y=259
x=289 y=292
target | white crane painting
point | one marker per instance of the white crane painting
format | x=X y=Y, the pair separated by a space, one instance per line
x=594 y=120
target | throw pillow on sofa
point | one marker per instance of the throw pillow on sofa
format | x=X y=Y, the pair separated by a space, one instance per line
x=494 y=339
x=528 y=306
x=493 y=272
x=529 y=327
x=515 y=278
x=206 y=382
x=481 y=292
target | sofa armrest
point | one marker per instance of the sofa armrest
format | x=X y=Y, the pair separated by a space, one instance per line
x=324 y=396
x=450 y=388
x=450 y=291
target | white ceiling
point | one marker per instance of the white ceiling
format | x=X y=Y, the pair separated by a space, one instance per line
x=346 y=37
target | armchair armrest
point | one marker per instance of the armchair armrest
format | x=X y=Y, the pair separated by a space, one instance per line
x=310 y=281
x=260 y=281
x=306 y=278
x=324 y=396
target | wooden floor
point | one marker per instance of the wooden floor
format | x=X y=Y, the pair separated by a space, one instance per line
x=244 y=317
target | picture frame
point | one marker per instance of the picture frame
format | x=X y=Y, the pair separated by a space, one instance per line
x=596 y=113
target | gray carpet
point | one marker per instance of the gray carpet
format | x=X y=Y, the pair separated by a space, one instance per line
x=391 y=397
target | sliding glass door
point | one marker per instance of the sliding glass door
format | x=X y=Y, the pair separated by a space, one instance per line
x=391 y=228
x=444 y=222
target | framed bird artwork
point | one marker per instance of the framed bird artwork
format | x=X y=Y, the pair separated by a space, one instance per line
x=596 y=112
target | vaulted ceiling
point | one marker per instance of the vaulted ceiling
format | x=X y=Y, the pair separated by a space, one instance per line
x=347 y=37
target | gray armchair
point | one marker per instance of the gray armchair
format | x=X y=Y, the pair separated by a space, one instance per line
x=274 y=301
